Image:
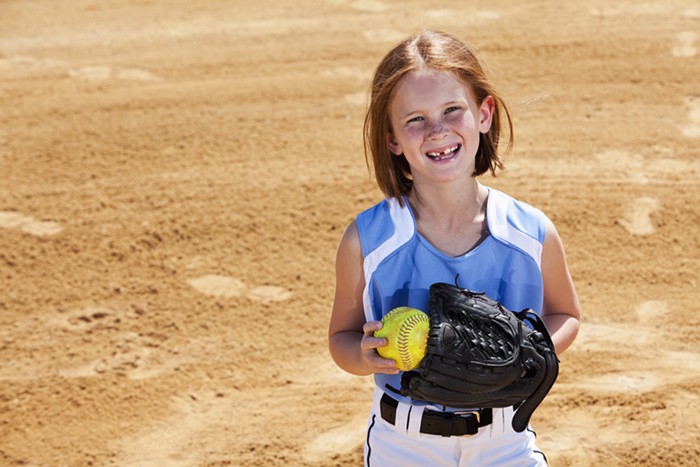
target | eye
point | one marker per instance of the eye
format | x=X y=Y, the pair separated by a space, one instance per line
x=415 y=119
x=451 y=109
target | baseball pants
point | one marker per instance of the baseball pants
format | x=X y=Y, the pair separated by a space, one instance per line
x=399 y=442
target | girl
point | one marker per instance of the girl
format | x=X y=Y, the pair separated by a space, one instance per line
x=433 y=125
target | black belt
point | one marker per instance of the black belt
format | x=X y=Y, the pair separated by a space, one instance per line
x=441 y=423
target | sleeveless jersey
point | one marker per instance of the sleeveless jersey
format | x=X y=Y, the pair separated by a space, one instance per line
x=400 y=264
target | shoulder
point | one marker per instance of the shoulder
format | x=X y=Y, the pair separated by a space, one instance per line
x=358 y=233
x=382 y=212
x=510 y=214
x=517 y=224
x=349 y=251
x=382 y=222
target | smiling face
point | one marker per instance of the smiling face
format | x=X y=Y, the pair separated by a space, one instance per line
x=435 y=125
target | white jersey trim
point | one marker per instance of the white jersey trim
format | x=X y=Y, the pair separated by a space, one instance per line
x=499 y=227
x=404 y=229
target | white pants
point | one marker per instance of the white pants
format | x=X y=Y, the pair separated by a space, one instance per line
x=494 y=445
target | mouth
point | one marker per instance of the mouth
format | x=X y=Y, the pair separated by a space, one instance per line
x=444 y=154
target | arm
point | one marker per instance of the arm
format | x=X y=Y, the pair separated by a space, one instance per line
x=350 y=338
x=560 y=311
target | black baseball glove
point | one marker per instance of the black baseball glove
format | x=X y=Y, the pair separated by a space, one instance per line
x=482 y=355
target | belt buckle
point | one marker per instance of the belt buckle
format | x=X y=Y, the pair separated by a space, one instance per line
x=476 y=413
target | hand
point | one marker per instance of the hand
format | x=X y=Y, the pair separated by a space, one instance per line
x=369 y=345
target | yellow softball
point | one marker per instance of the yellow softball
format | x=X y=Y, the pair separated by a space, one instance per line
x=406 y=331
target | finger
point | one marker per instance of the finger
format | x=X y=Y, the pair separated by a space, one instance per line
x=371 y=343
x=384 y=365
x=378 y=361
x=370 y=326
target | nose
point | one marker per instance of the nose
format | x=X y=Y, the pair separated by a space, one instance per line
x=437 y=129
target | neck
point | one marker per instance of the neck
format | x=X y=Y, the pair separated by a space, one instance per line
x=449 y=203
x=452 y=220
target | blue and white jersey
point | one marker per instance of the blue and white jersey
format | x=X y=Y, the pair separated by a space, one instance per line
x=400 y=265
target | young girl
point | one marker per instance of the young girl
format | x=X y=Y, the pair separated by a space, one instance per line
x=433 y=125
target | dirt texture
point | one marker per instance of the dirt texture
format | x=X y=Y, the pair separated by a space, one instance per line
x=175 y=177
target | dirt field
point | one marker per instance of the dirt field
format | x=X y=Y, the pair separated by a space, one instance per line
x=175 y=177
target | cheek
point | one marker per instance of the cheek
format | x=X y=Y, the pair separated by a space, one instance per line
x=414 y=131
x=466 y=120
x=411 y=134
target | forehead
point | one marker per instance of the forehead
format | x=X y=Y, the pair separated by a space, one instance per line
x=426 y=86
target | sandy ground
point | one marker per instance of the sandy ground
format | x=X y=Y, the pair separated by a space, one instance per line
x=175 y=176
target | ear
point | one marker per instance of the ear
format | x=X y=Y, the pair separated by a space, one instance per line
x=393 y=145
x=486 y=114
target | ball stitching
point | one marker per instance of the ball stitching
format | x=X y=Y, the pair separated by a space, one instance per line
x=402 y=339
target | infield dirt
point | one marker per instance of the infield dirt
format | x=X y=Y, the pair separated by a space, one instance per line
x=175 y=177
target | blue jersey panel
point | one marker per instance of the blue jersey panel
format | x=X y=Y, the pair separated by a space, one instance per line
x=400 y=265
